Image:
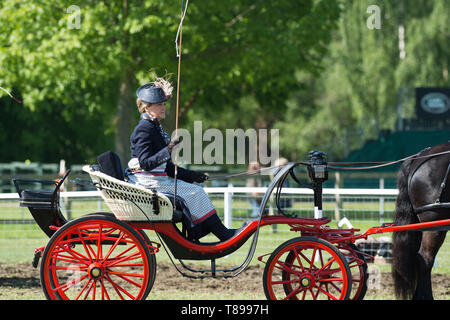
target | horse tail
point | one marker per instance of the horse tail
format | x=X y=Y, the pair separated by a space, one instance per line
x=405 y=244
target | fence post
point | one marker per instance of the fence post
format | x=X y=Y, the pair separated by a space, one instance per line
x=337 y=185
x=228 y=207
x=381 y=202
x=68 y=208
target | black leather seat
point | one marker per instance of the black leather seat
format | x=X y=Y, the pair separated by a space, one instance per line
x=109 y=163
x=41 y=199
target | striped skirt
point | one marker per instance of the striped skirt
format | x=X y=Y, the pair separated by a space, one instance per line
x=196 y=199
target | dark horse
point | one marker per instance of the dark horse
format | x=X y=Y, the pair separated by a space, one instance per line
x=422 y=180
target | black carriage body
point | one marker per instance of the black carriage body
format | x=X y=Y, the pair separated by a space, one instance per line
x=43 y=204
x=181 y=252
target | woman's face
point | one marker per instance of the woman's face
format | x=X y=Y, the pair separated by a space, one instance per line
x=158 y=110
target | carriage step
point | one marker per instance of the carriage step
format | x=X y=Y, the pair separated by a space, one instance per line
x=37 y=256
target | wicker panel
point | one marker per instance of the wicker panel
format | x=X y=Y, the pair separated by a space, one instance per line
x=125 y=199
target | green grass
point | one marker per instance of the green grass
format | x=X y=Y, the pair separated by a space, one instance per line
x=18 y=241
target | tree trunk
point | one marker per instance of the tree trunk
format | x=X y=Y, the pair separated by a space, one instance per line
x=185 y=104
x=169 y=122
x=122 y=119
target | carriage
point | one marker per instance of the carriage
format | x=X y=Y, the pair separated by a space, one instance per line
x=105 y=255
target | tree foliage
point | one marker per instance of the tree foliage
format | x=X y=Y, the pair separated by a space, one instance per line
x=356 y=96
x=310 y=68
x=230 y=49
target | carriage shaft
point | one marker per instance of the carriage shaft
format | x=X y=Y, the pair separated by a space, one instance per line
x=421 y=226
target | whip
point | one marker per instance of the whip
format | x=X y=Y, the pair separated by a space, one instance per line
x=9 y=94
x=178 y=48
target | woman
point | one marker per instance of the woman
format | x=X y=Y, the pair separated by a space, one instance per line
x=151 y=165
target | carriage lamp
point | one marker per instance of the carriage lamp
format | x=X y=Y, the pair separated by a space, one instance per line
x=318 y=170
x=318 y=173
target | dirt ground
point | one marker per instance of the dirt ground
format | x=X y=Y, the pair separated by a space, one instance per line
x=21 y=282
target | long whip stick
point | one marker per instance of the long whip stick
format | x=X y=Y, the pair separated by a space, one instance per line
x=180 y=33
x=9 y=94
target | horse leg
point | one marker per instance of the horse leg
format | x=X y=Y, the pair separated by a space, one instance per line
x=429 y=247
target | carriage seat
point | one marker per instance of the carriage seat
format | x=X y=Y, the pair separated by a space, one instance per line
x=127 y=201
x=109 y=166
x=42 y=199
x=109 y=163
x=42 y=204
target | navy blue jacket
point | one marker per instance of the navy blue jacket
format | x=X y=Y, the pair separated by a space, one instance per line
x=149 y=146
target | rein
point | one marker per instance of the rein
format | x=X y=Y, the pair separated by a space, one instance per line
x=382 y=163
x=335 y=165
x=246 y=173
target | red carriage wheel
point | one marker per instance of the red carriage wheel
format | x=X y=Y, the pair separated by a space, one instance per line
x=307 y=268
x=97 y=257
x=146 y=239
x=358 y=267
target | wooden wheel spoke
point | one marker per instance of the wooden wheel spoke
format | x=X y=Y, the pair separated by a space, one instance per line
x=327 y=293
x=307 y=260
x=283 y=266
x=131 y=257
x=137 y=275
x=65 y=247
x=284 y=281
x=82 y=290
x=122 y=276
x=97 y=257
x=126 y=265
x=70 y=267
x=114 y=246
x=70 y=284
x=104 y=292
x=84 y=245
x=294 y=292
x=297 y=257
x=71 y=259
x=327 y=265
x=331 y=280
x=99 y=242
x=91 y=287
x=119 y=289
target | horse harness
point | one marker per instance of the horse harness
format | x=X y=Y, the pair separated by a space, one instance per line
x=423 y=157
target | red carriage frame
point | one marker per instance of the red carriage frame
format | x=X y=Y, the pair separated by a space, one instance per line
x=321 y=263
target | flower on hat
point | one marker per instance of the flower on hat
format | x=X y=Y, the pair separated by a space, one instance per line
x=164 y=85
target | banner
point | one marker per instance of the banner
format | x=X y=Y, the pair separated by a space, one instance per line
x=433 y=103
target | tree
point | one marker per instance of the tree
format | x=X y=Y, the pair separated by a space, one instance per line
x=364 y=73
x=46 y=135
x=230 y=49
x=427 y=58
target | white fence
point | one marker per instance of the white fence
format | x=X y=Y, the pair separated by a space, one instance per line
x=224 y=198
x=299 y=194
x=359 y=208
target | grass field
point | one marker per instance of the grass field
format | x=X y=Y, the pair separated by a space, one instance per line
x=19 y=240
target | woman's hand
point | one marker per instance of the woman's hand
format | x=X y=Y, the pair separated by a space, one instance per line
x=199 y=177
x=175 y=140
